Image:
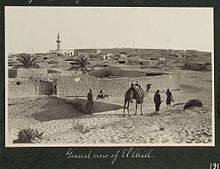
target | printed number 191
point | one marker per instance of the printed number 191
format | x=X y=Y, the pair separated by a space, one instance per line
x=214 y=166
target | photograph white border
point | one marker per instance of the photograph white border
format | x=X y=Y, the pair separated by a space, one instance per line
x=212 y=144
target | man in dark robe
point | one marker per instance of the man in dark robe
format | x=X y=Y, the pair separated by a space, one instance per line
x=169 y=97
x=89 y=105
x=157 y=100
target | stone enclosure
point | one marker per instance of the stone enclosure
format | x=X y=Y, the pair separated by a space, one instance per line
x=31 y=82
x=113 y=81
x=74 y=85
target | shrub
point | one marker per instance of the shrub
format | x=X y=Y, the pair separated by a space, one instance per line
x=28 y=136
x=193 y=103
x=79 y=127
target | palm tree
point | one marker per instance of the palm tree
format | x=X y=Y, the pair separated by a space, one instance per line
x=27 y=61
x=82 y=64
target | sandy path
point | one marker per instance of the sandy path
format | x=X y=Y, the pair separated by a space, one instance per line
x=163 y=128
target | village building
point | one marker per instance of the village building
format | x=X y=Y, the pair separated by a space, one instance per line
x=47 y=81
x=198 y=66
x=12 y=60
x=78 y=52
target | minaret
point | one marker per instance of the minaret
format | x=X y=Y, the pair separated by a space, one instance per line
x=58 y=41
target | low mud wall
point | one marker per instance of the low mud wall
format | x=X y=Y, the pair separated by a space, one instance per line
x=21 y=72
x=22 y=87
x=73 y=85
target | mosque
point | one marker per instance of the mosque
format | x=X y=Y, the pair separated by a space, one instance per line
x=59 y=51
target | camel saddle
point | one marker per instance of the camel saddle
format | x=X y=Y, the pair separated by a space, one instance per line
x=139 y=95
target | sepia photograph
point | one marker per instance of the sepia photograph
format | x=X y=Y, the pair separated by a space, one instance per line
x=109 y=76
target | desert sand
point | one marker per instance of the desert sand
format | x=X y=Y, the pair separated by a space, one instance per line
x=63 y=123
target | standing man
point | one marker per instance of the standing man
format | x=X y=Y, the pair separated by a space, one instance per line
x=169 y=97
x=157 y=100
x=89 y=105
x=146 y=93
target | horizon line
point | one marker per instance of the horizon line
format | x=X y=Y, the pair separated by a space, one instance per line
x=94 y=48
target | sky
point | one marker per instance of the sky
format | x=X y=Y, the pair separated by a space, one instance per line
x=34 y=29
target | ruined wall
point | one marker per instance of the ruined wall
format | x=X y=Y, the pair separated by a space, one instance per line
x=78 y=51
x=70 y=85
x=115 y=71
x=105 y=72
x=149 y=63
x=67 y=86
x=116 y=50
x=21 y=72
x=34 y=86
x=132 y=73
x=195 y=66
x=22 y=87
x=99 y=73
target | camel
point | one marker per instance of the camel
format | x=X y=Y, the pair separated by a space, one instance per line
x=133 y=93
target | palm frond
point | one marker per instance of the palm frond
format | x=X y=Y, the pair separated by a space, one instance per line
x=81 y=63
x=33 y=61
x=26 y=60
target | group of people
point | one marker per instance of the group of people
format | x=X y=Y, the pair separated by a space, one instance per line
x=90 y=100
x=101 y=95
x=157 y=97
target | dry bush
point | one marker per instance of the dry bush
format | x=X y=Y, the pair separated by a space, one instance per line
x=80 y=127
x=28 y=136
x=193 y=103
